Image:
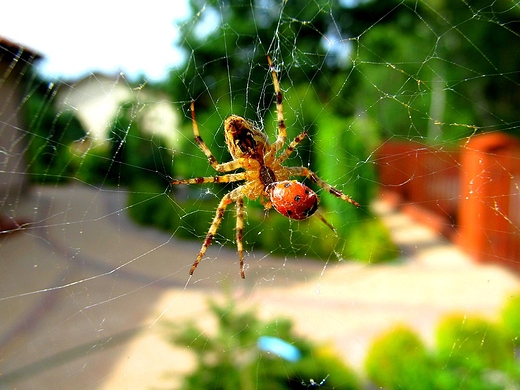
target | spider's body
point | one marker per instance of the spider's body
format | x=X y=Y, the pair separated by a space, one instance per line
x=263 y=176
x=250 y=147
x=243 y=139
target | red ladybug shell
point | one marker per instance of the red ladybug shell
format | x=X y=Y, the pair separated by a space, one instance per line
x=292 y=199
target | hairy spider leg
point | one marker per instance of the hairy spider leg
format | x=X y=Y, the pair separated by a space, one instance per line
x=240 y=233
x=224 y=202
x=230 y=197
x=322 y=218
x=282 y=130
x=229 y=178
x=225 y=167
x=292 y=146
x=302 y=171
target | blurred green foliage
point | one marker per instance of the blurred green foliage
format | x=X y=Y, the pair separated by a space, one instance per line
x=510 y=318
x=370 y=242
x=398 y=360
x=470 y=352
x=476 y=352
x=474 y=343
x=231 y=359
x=128 y=156
x=50 y=137
x=433 y=69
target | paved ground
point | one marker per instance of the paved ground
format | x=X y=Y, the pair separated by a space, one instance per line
x=84 y=293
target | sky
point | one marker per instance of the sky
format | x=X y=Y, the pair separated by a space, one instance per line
x=110 y=36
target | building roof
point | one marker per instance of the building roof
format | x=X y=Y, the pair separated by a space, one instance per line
x=18 y=50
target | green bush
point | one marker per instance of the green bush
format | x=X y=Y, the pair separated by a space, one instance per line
x=473 y=343
x=369 y=241
x=398 y=360
x=510 y=318
x=127 y=156
x=148 y=204
x=93 y=165
x=365 y=240
x=231 y=358
x=470 y=353
x=50 y=140
x=476 y=353
x=310 y=238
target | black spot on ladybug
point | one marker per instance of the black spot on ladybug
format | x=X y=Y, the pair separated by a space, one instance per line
x=307 y=192
x=287 y=185
x=311 y=210
x=289 y=212
x=297 y=198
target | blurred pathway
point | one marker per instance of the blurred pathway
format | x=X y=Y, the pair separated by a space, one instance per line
x=84 y=293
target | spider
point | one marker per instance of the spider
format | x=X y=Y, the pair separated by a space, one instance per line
x=263 y=174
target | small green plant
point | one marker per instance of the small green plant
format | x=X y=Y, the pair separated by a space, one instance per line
x=473 y=342
x=370 y=242
x=477 y=353
x=470 y=353
x=510 y=318
x=248 y=353
x=398 y=360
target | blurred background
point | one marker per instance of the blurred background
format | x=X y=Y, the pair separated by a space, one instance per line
x=410 y=108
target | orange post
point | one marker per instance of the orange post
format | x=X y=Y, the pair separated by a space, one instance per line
x=489 y=165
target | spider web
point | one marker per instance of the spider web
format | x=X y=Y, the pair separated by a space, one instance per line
x=86 y=290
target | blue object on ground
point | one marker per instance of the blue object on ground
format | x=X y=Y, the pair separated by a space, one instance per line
x=279 y=347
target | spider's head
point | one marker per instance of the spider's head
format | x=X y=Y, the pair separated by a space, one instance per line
x=243 y=139
x=292 y=199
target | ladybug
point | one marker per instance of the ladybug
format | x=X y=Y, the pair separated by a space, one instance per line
x=292 y=199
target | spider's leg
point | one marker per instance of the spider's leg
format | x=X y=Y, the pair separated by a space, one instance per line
x=229 y=198
x=302 y=171
x=287 y=152
x=240 y=234
x=224 y=202
x=282 y=131
x=229 y=166
x=228 y=178
x=320 y=216
x=198 y=139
